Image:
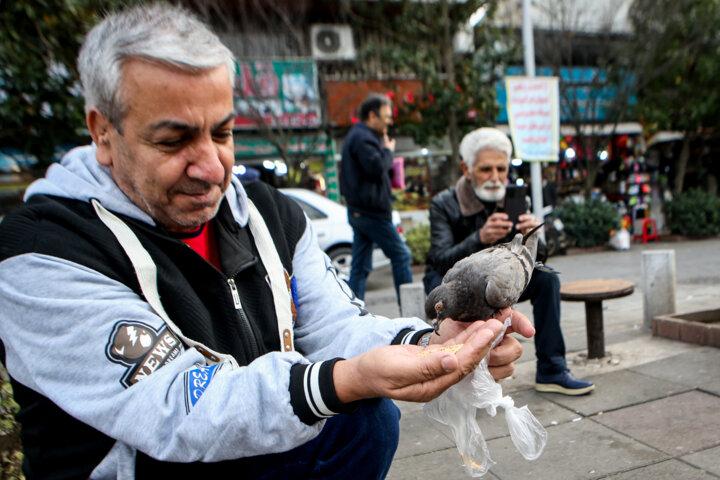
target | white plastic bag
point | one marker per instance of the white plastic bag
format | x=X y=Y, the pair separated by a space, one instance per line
x=457 y=406
x=620 y=240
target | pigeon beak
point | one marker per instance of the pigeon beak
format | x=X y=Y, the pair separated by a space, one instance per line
x=528 y=234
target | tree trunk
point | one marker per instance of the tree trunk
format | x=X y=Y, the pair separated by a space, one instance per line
x=591 y=165
x=681 y=164
x=454 y=139
x=449 y=64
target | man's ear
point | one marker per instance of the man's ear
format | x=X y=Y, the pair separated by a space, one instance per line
x=100 y=130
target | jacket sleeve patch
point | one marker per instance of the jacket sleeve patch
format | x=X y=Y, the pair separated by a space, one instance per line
x=141 y=348
x=196 y=382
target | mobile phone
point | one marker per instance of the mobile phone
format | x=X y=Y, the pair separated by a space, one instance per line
x=514 y=203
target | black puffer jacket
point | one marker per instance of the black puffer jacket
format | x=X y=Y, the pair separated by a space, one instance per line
x=454 y=236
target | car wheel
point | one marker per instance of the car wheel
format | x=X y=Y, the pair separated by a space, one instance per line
x=341 y=258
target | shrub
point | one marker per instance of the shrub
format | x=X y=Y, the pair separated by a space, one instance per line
x=418 y=240
x=588 y=224
x=694 y=212
x=11 y=454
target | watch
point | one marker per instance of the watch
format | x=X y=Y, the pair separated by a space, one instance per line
x=425 y=340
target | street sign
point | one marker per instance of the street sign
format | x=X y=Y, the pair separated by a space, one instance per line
x=533 y=114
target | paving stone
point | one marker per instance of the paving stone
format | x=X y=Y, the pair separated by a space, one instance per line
x=615 y=390
x=676 y=425
x=698 y=367
x=667 y=470
x=408 y=407
x=707 y=460
x=575 y=450
x=419 y=434
x=444 y=465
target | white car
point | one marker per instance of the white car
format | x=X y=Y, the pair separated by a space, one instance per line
x=334 y=233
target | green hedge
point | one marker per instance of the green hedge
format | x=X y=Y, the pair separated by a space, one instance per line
x=693 y=212
x=588 y=224
x=418 y=240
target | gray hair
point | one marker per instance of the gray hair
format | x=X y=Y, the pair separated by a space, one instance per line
x=159 y=33
x=484 y=139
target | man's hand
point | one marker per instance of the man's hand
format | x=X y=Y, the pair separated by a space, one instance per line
x=398 y=372
x=496 y=227
x=502 y=357
x=527 y=222
x=388 y=142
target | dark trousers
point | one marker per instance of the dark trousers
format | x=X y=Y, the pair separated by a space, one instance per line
x=360 y=445
x=543 y=291
x=368 y=231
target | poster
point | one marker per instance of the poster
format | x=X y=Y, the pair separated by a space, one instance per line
x=533 y=114
x=276 y=94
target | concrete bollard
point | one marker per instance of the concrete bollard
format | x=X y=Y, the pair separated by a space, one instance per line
x=412 y=300
x=658 y=271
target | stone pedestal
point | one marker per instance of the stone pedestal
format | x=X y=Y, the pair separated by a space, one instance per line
x=412 y=300
x=658 y=272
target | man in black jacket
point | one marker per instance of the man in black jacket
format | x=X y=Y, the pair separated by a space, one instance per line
x=470 y=217
x=367 y=157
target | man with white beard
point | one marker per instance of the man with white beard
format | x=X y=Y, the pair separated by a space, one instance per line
x=469 y=217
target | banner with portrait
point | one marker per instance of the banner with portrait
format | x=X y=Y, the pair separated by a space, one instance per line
x=276 y=94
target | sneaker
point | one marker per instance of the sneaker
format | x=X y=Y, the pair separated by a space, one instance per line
x=563 y=383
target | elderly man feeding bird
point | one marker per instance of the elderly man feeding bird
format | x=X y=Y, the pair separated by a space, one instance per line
x=469 y=220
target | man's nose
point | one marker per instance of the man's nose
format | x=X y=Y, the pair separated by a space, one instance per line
x=494 y=174
x=205 y=162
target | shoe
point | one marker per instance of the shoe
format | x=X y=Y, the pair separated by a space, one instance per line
x=563 y=383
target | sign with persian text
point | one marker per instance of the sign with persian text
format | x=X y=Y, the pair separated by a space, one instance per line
x=533 y=114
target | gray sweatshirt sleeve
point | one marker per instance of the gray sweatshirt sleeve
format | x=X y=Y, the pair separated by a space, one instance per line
x=75 y=337
x=332 y=322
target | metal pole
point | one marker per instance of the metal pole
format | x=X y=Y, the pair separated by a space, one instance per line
x=529 y=57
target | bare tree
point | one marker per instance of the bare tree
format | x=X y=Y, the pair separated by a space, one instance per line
x=583 y=33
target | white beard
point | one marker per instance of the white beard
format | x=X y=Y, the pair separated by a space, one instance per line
x=490 y=191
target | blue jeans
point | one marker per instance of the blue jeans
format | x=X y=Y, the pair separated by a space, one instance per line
x=361 y=445
x=368 y=231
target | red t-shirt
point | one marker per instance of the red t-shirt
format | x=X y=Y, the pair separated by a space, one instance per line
x=203 y=242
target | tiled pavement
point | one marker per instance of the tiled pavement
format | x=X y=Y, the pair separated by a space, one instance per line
x=659 y=420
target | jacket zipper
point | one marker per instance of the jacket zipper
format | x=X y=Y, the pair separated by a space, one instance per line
x=244 y=323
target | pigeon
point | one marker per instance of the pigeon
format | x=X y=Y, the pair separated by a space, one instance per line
x=485 y=282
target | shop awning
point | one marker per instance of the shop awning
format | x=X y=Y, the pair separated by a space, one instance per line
x=664 y=136
x=623 y=128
